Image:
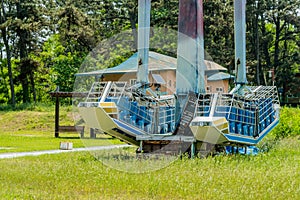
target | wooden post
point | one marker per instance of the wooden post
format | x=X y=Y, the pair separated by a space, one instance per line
x=92 y=133
x=193 y=150
x=57 y=117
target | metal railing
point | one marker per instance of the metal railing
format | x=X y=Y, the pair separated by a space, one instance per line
x=249 y=114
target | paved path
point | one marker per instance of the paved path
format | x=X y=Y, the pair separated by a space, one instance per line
x=37 y=153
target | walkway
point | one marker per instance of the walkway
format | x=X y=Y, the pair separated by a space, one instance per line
x=38 y=153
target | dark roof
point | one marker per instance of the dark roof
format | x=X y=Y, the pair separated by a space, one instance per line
x=157 y=62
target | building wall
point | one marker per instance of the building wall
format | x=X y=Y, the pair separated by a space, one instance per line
x=220 y=86
x=170 y=79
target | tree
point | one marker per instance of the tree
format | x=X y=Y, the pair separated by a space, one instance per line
x=280 y=26
x=5 y=37
x=27 y=21
x=22 y=25
x=219 y=31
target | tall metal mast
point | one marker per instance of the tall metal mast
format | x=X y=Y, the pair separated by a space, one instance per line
x=190 y=51
x=240 y=44
x=144 y=7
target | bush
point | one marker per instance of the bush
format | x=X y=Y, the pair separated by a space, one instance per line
x=289 y=123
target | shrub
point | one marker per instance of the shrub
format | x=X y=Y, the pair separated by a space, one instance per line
x=289 y=123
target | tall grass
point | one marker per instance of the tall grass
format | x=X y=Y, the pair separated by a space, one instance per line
x=270 y=175
x=273 y=175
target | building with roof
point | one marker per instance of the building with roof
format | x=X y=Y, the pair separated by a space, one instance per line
x=162 y=70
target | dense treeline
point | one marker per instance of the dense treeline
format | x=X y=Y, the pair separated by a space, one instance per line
x=44 y=42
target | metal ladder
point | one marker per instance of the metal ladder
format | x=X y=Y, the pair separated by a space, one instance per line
x=187 y=116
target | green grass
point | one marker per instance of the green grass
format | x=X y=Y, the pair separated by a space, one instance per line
x=273 y=175
x=33 y=130
x=270 y=175
x=33 y=141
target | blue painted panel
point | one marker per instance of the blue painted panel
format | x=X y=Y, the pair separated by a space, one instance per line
x=127 y=128
x=251 y=130
x=169 y=113
x=232 y=114
x=237 y=138
x=262 y=126
x=232 y=127
x=239 y=129
x=240 y=114
x=249 y=150
x=268 y=120
x=142 y=111
x=245 y=130
x=206 y=111
x=112 y=99
x=246 y=117
x=133 y=120
x=251 y=117
x=133 y=107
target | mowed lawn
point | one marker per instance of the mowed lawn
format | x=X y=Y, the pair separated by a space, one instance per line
x=33 y=130
x=274 y=174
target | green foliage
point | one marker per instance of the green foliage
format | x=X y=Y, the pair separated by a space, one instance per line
x=60 y=64
x=164 y=14
x=219 y=32
x=58 y=35
x=4 y=83
x=289 y=125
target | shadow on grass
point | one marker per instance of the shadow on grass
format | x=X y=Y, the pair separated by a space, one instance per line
x=69 y=138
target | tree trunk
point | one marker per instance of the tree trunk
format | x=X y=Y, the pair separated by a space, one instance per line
x=8 y=57
x=265 y=47
x=23 y=36
x=257 y=48
x=31 y=76
x=276 y=45
x=23 y=70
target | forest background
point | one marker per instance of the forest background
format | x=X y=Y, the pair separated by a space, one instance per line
x=43 y=43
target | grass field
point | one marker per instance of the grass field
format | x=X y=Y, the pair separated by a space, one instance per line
x=274 y=174
x=33 y=130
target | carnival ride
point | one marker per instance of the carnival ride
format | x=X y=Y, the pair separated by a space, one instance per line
x=191 y=120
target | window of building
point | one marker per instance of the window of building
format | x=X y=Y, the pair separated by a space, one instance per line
x=132 y=81
x=208 y=89
x=219 y=89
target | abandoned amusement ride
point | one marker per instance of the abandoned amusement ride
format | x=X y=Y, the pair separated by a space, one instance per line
x=191 y=120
